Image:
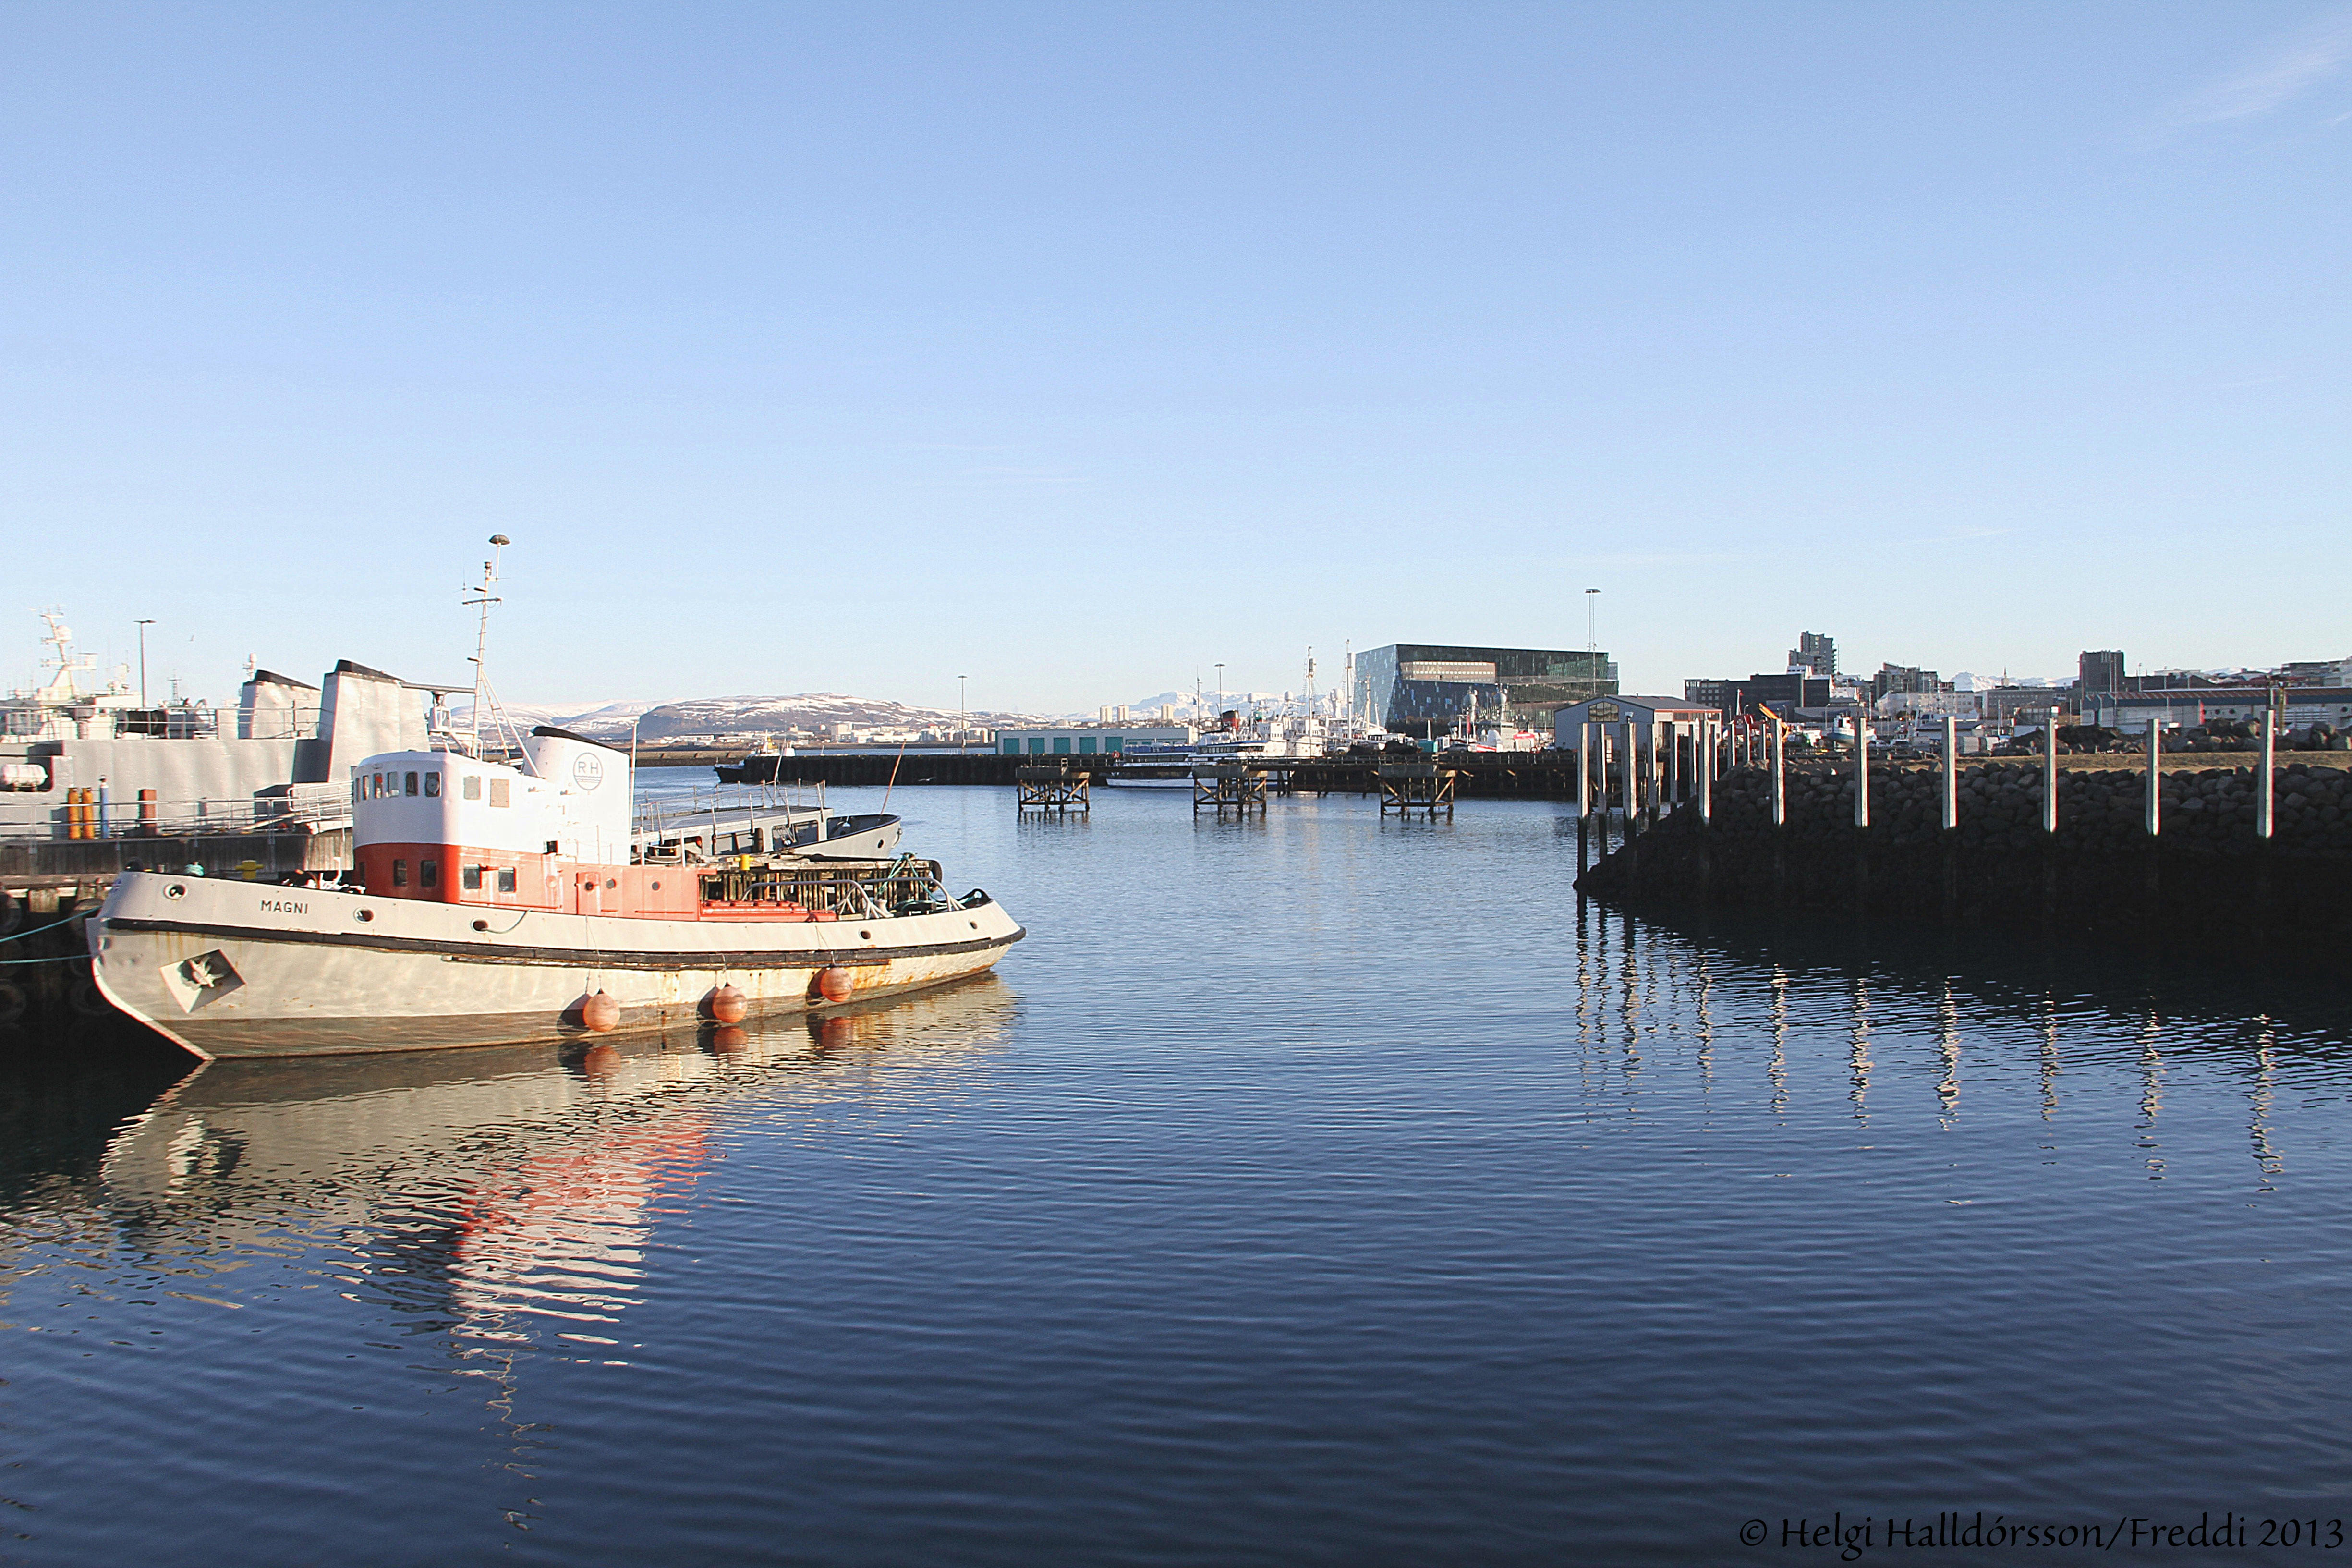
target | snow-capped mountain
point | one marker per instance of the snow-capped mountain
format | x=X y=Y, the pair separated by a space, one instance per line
x=812 y=712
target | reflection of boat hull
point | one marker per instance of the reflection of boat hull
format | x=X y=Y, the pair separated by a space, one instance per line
x=241 y=969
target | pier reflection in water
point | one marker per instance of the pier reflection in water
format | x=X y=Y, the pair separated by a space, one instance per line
x=1312 y=1187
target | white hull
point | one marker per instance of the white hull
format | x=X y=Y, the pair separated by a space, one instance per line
x=299 y=972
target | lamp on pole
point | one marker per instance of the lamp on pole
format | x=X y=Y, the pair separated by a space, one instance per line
x=143 y=661
x=1592 y=643
x=1220 y=688
x=962 y=727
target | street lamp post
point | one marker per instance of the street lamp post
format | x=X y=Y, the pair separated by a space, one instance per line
x=143 y=661
x=1220 y=688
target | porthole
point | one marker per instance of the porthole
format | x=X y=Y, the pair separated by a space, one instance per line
x=657 y=887
x=866 y=936
x=362 y=914
x=481 y=925
x=974 y=925
x=175 y=890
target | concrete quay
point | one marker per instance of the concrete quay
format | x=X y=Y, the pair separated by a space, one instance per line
x=2206 y=880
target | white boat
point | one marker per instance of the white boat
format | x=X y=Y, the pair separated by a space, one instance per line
x=500 y=903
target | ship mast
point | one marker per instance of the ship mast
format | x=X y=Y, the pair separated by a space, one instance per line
x=484 y=599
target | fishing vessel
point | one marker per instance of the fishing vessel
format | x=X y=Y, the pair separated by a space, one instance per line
x=500 y=903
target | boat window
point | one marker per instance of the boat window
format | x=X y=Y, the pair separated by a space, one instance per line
x=428 y=873
x=473 y=788
x=408 y=784
x=432 y=787
x=472 y=878
x=375 y=786
x=399 y=873
x=506 y=880
x=501 y=791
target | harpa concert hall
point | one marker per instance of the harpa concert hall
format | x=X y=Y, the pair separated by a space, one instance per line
x=1426 y=688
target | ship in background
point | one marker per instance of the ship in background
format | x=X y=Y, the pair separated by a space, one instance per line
x=83 y=756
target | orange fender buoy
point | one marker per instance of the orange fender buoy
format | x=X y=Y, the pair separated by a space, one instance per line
x=834 y=984
x=728 y=1004
x=600 y=1012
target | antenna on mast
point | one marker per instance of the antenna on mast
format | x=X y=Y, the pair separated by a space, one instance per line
x=483 y=598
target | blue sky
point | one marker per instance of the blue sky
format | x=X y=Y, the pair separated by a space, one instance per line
x=1079 y=348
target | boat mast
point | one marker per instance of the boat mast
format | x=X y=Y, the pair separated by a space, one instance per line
x=483 y=598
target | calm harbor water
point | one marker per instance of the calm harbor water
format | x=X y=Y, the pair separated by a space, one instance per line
x=1307 y=1189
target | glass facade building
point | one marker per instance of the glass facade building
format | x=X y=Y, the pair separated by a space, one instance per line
x=1425 y=689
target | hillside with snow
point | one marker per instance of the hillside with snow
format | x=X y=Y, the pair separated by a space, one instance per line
x=810 y=713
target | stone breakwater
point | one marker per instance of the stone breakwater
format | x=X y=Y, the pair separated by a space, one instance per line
x=2205 y=879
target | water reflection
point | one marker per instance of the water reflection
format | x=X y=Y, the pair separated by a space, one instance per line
x=499 y=1196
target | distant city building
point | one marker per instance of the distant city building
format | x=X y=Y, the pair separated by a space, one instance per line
x=1942 y=703
x=1783 y=694
x=1816 y=652
x=1112 y=713
x=1425 y=689
x=2102 y=673
x=1084 y=741
x=1902 y=679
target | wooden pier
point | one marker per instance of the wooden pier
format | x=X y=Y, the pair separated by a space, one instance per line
x=1052 y=789
x=1237 y=787
x=1408 y=787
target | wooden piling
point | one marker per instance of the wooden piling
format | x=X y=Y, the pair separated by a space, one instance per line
x=2050 y=773
x=2263 y=787
x=1861 y=770
x=1704 y=762
x=1951 y=772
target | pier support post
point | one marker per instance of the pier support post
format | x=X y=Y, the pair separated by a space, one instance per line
x=1861 y=770
x=1658 y=734
x=1583 y=773
x=1779 y=777
x=2050 y=773
x=1951 y=772
x=2155 y=775
x=1706 y=761
x=2262 y=780
x=1631 y=768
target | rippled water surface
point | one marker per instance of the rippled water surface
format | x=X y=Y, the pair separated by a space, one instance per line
x=1311 y=1189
